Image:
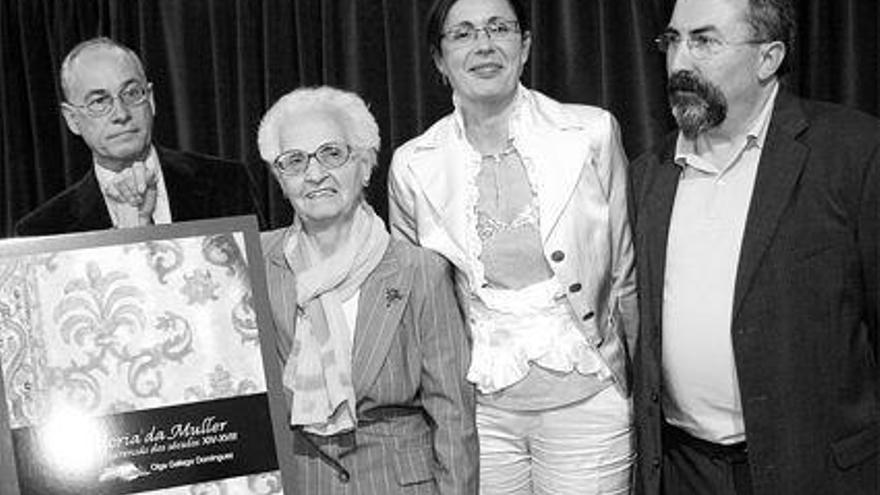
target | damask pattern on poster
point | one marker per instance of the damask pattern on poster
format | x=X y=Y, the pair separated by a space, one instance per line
x=106 y=330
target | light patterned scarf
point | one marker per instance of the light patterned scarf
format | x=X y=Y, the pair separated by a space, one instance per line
x=318 y=369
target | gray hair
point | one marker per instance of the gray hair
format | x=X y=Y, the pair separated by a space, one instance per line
x=774 y=20
x=360 y=125
x=90 y=44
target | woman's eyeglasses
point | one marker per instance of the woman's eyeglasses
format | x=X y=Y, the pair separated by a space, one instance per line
x=328 y=155
x=466 y=33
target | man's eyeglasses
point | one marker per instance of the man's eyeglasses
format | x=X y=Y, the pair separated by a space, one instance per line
x=329 y=156
x=101 y=103
x=701 y=46
x=466 y=33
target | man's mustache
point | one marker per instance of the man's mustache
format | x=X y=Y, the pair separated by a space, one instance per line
x=688 y=81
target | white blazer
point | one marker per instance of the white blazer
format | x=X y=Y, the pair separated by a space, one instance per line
x=581 y=173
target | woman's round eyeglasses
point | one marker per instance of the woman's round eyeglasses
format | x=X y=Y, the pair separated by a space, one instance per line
x=329 y=156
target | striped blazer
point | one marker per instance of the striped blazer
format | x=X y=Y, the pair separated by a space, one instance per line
x=416 y=432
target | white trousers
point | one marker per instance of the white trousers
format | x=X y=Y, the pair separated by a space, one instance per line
x=585 y=448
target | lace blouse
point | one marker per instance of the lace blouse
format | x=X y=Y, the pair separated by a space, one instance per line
x=519 y=316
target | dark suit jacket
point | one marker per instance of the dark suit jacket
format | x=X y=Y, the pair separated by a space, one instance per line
x=199 y=187
x=416 y=432
x=804 y=325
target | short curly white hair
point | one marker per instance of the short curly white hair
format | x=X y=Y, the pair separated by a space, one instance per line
x=361 y=126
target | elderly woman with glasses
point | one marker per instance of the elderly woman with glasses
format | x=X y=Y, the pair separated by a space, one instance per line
x=373 y=346
x=526 y=197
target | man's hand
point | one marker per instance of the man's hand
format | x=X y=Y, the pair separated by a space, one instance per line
x=147 y=206
x=135 y=186
x=131 y=184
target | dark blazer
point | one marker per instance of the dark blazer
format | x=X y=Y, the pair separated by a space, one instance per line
x=416 y=432
x=804 y=321
x=198 y=186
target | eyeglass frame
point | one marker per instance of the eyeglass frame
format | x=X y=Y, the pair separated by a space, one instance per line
x=663 y=43
x=475 y=31
x=349 y=150
x=147 y=87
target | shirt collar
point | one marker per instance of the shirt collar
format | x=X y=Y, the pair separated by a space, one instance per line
x=105 y=175
x=685 y=149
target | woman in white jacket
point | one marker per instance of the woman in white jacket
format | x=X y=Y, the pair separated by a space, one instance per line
x=526 y=197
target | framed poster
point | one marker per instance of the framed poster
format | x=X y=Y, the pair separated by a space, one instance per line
x=132 y=362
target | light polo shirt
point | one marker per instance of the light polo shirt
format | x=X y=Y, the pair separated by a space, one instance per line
x=125 y=215
x=701 y=393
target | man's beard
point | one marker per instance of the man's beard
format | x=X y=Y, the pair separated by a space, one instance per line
x=697 y=104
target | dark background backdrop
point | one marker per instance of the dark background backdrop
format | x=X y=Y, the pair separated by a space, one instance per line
x=217 y=65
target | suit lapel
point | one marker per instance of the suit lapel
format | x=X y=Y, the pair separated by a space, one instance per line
x=782 y=161
x=558 y=172
x=281 y=284
x=443 y=177
x=383 y=297
x=186 y=192
x=89 y=209
x=440 y=170
x=654 y=216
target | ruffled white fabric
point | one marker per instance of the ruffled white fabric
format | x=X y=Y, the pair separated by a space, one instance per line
x=515 y=329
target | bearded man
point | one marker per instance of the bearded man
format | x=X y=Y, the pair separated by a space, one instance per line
x=756 y=235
